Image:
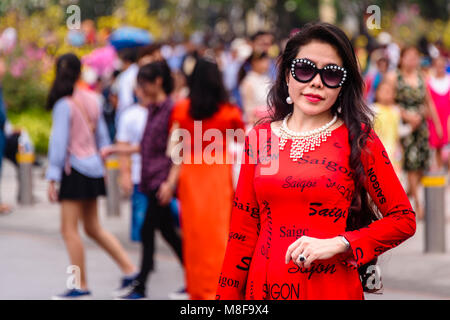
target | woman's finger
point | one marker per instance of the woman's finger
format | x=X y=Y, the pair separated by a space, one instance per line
x=290 y=249
x=288 y=252
x=310 y=258
x=52 y=194
x=300 y=250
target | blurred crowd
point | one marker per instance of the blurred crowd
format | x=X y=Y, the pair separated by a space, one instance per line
x=408 y=88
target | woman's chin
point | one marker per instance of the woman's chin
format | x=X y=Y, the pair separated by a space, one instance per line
x=312 y=110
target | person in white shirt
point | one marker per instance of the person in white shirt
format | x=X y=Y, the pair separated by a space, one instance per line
x=126 y=80
x=254 y=86
x=129 y=132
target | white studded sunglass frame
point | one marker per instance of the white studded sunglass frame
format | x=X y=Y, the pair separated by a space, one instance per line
x=295 y=62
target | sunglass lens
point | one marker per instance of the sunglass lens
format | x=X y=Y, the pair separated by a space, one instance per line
x=304 y=72
x=332 y=77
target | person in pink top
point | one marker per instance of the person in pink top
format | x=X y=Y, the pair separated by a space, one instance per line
x=74 y=164
x=438 y=85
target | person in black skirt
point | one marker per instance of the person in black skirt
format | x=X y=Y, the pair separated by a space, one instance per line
x=78 y=133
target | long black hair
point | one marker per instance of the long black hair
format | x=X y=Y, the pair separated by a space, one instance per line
x=356 y=115
x=206 y=89
x=151 y=71
x=68 y=70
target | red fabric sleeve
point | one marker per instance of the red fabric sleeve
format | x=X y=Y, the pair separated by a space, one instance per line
x=398 y=222
x=244 y=229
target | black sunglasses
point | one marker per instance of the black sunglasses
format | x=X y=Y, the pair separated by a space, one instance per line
x=304 y=70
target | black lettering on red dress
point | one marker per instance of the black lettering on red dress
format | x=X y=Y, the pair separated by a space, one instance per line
x=315 y=268
x=373 y=179
x=290 y=182
x=252 y=210
x=265 y=248
x=336 y=213
x=236 y=236
x=292 y=232
x=385 y=155
x=245 y=264
x=359 y=254
x=228 y=282
x=379 y=250
x=283 y=291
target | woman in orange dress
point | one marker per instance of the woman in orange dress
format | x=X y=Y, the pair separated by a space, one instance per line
x=205 y=188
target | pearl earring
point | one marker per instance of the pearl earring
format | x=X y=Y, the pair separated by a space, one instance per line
x=289 y=100
x=339 y=110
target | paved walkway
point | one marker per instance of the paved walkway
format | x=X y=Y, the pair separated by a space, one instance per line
x=33 y=258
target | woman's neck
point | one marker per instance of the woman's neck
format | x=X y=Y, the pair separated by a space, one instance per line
x=302 y=122
x=159 y=98
x=408 y=71
x=439 y=74
x=258 y=72
x=385 y=103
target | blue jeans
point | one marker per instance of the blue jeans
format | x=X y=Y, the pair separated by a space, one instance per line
x=139 y=203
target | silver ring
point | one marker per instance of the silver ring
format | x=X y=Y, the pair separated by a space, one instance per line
x=301 y=258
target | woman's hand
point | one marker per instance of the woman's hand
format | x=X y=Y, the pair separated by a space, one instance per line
x=51 y=191
x=314 y=249
x=414 y=119
x=165 y=193
x=126 y=184
x=106 y=151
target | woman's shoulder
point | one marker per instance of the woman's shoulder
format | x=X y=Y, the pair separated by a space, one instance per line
x=229 y=108
x=373 y=141
x=181 y=105
x=85 y=93
x=180 y=109
x=261 y=128
x=87 y=97
x=62 y=104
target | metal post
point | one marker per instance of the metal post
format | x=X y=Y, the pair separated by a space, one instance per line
x=434 y=184
x=25 y=161
x=112 y=187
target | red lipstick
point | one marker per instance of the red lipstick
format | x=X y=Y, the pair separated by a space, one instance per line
x=313 y=97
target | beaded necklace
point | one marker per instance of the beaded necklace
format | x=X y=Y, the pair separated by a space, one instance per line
x=303 y=141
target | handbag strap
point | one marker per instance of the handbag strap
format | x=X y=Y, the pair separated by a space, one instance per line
x=84 y=115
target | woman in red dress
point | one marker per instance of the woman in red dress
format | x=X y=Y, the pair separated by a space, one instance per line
x=205 y=187
x=317 y=199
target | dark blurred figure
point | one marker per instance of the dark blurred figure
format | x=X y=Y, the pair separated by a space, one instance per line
x=149 y=54
x=157 y=171
x=110 y=101
x=262 y=41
